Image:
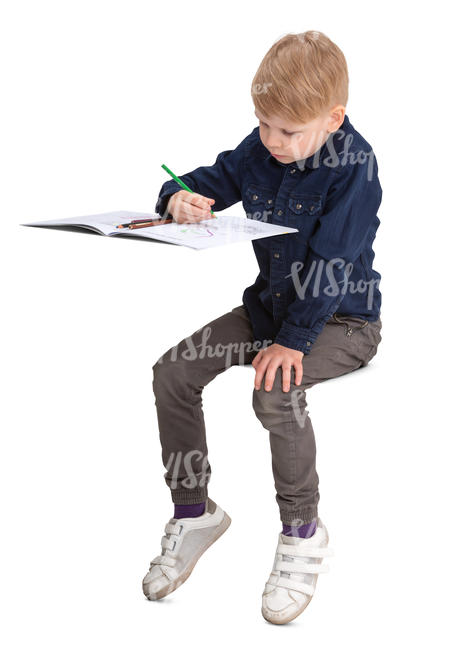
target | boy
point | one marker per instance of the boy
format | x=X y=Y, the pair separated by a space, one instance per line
x=313 y=312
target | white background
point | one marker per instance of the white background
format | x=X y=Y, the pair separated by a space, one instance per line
x=96 y=96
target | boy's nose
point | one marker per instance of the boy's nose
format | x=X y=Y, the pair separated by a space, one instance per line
x=274 y=145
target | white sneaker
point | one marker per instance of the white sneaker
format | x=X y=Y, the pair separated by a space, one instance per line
x=292 y=581
x=186 y=539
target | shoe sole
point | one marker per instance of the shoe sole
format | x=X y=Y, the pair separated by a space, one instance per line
x=295 y=614
x=222 y=527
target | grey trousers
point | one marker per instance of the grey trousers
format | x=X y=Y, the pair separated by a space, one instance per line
x=181 y=373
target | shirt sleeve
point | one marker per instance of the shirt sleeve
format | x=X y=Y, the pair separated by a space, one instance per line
x=350 y=209
x=221 y=181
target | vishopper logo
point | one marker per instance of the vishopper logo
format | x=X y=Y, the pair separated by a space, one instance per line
x=297 y=522
x=258 y=215
x=333 y=288
x=296 y=400
x=346 y=156
x=321 y=142
x=261 y=89
x=227 y=350
x=182 y=461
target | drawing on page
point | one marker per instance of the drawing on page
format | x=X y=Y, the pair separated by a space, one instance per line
x=198 y=230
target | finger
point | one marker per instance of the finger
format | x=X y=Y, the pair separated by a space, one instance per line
x=260 y=373
x=190 y=210
x=298 y=373
x=286 y=381
x=270 y=375
x=257 y=359
x=199 y=201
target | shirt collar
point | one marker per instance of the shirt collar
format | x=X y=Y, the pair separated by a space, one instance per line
x=316 y=159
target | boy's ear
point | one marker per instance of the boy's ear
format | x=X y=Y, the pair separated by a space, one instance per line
x=337 y=116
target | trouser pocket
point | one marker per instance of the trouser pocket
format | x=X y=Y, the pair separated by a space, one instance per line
x=351 y=323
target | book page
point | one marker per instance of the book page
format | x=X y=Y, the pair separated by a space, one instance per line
x=225 y=229
x=106 y=222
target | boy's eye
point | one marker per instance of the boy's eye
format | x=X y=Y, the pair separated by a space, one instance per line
x=292 y=132
x=283 y=130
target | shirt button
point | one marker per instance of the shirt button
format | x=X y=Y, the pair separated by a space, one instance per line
x=276 y=254
x=308 y=343
x=279 y=213
x=298 y=206
x=293 y=170
x=270 y=201
x=278 y=295
x=254 y=197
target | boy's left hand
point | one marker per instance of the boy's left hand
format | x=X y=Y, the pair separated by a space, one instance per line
x=268 y=360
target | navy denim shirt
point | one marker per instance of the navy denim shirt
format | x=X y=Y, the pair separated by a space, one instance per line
x=332 y=197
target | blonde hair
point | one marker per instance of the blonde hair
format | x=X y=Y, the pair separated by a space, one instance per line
x=301 y=77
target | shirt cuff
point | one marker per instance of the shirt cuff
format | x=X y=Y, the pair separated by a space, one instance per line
x=297 y=338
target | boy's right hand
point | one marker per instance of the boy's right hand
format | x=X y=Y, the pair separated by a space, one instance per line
x=189 y=207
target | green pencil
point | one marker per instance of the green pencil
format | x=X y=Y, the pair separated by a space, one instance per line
x=183 y=185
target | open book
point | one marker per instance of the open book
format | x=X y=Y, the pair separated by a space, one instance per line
x=224 y=229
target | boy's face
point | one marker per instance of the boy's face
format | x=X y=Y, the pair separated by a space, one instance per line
x=288 y=141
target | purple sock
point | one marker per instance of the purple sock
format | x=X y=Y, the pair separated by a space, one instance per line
x=189 y=510
x=307 y=530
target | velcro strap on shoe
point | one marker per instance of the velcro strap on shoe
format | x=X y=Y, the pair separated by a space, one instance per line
x=301 y=567
x=164 y=559
x=168 y=543
x=173 y=529
x=296 y=585
x=300 y=551
x=170 y=572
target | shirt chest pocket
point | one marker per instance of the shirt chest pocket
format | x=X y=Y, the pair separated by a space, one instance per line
x=258 y=202
x=303 y=213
